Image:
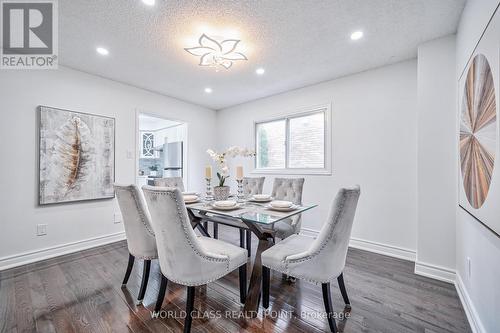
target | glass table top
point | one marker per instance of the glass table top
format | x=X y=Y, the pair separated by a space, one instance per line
x=249 y=211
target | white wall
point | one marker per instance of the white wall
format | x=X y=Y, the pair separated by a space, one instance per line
x=479 y=290
x=20 y=94
x=374 y=145
x=437 y=158
x=475 y=17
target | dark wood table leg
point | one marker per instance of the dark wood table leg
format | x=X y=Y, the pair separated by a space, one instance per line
x=216 y=230
x=251 y=307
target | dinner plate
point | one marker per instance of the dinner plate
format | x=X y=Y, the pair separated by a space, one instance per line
x=237 y=206
x=283 y=209
x=260 y=200
x=281 y=204
x=190 y=193
x=191 y=198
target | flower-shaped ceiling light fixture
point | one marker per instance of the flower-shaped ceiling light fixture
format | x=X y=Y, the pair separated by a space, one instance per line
x=216 y=54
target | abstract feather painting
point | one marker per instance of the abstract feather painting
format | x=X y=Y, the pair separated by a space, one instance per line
x=77 y=156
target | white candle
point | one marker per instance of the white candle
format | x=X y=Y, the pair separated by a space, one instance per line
x=239 y=172
x=208 y=172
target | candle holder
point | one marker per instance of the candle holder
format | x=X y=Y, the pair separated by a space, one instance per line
x=240 y=195
x=209 y=196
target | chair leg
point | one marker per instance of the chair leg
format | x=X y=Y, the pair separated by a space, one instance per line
x=189 y=309
x=327 y=299
x=161 y=293
x=249 y=243
x=266 y=279
x=242 y=238
x=131 y=259
x=145 y=278
x=243 y=283
x=216 y=230
x=343 y=291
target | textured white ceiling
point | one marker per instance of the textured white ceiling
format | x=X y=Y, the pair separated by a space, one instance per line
x=298 y=42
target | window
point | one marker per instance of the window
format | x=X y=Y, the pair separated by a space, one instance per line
x=297 y=143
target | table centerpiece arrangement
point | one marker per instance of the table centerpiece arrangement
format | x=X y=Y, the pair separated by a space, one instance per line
x=222 y=191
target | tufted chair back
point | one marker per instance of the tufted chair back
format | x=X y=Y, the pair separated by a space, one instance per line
x=137 y=222
x=333 y=239
x=289 y=189
x=170 y=182
x=253 y=185
x=182 y=258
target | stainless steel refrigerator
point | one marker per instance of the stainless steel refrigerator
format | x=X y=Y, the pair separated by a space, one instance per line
x=173 y=159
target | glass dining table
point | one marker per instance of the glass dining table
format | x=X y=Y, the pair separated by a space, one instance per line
x=257 y=217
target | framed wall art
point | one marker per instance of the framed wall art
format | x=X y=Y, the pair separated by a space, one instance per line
x=76 y=156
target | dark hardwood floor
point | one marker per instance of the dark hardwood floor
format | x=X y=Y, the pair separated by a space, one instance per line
x=82 y=292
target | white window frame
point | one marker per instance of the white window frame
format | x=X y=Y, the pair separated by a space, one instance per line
x=326 y=170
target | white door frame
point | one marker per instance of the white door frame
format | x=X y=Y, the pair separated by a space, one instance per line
x=185 y=146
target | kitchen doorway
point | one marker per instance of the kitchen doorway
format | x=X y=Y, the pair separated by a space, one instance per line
x=161 y=149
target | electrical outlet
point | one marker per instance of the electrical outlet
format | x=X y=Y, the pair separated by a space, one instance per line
x=469 y=267
x=41 y=229
x=117 y=218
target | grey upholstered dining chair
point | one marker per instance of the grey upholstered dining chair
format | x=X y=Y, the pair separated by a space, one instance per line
x=138 y=230
x=251 y=186
x=289 y=189
x=170 y=182
x=184 y=257
x=317 y=260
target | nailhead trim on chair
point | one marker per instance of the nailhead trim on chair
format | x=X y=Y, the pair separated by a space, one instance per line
x=142 y=217
x=141 y=212
x=323 y=245
x=183 y=223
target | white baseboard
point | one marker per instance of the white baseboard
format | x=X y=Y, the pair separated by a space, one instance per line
x=55 y=251
x=470 y=310
x=435 y=272
x=380 y=248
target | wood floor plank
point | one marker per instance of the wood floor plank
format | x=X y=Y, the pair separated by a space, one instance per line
x=82 y=292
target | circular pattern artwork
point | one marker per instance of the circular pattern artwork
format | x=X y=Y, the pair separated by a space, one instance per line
x=478 y=131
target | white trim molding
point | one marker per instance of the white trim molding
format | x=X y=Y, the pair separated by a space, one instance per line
x=470 y=310
x=435 y=272
x=371 y=246
x=58 y=250
x=326 y=109
x=385 y=249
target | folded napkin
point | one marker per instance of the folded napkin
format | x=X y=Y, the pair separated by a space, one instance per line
x=261 y=196
x=225 y=203
x=281 y=204
x=190 y=197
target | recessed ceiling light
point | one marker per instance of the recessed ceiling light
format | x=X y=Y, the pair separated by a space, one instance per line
x=357 y=35
x=102 y=51
x=149 y=2
x=208 y=90
x=260 y=71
